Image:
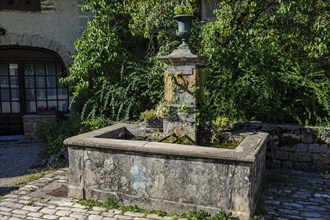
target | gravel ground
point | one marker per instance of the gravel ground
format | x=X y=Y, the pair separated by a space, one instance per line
x=16 y=159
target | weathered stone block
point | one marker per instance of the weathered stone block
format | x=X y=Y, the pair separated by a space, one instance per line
x=321 y=158
x=282 y=155
x=307 y=138
x=302 y=166
x=319 y=148
x=287 y=164
x=301 y=157
x=299 y=148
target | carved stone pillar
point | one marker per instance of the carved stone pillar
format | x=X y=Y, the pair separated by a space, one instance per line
x=183 y=92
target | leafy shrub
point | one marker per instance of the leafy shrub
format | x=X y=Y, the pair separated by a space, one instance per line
x=55 y=132
x=267 y=60
x=148 y=115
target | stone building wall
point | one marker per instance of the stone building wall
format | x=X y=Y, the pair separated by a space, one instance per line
x=30 y=124
x=295 y=147
x=57 y=22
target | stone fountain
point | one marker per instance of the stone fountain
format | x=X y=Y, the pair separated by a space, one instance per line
x=108 y=163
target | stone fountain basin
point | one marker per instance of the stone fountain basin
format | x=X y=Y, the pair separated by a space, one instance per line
x=170 y=177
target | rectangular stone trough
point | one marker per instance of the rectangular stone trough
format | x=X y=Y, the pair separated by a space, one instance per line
x=170 y=177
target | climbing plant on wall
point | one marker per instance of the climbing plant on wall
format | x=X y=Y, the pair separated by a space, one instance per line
x=267 y=60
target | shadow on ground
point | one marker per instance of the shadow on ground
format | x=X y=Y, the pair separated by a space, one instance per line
x=16 y=160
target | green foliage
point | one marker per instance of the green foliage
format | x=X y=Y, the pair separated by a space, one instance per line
x=220 y=124
x=53 y=133
x=96 y=123
x=112 y=204
x=267 y=60
x=185 y=7
x=148 y=115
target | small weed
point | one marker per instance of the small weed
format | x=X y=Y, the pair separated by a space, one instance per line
x=30 y=203
x=90 y=203
x=32 y=177
x=112 y=204
x=1 y=198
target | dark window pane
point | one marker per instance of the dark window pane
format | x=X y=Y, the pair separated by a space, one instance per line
x=3 y=69
x=51 y=69
x=14 y=82
x=63 y=106
x=41 y=105
x=5 y=96
x=51 y=94
x=4 y=82
x=41 y=81
x=30 y=94
x=28 y=69
x=62 y=93
x=31 y=107
x=15 y=107
x=51 y=81
x=52 y=105
x=13 y=69
x=15 y=95
x=29 y=82
x=41 y=94
x=5 y=107
x=59 y=69
x=40 y=69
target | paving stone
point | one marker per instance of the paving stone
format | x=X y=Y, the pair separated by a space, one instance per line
x=5 y=213
x=64 y=208
x=95 y=217
x=82 y=210
x=293 y=205
x=35 y=214
x=134 y=214
x=50 y=217
x=123 y=217
x=67 y=218
x=11 y=205
x=5 y=209
x=11 y=200
x=48 y=211
x=316 y=208
x=20 y=212
x=78 y=206
x=63 y=213
x=108 y=214
x=10 y=196
x=154 y=216
x=94 y=212
x=78 y=215
x=311 y=214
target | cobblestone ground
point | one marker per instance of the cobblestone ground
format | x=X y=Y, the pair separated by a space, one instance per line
x=296 y=195
x=289 y=195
